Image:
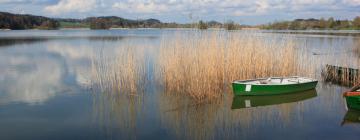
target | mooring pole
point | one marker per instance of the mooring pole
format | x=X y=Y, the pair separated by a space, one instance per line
x=356 y=87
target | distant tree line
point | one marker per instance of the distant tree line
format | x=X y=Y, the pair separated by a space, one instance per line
x=20 y=22
x=229 y=25
x=118 y=22
x=202 y=25
x=303 y=24
x=99 y=24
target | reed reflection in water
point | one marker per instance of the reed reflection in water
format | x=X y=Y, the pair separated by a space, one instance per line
x=216 y=119
x=118 y=85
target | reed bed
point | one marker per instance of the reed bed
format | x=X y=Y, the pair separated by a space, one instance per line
x=356 y=47
x=203 y=66
x=118 y=77
x=124 y=72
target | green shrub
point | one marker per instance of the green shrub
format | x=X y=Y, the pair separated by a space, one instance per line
x=202 y=25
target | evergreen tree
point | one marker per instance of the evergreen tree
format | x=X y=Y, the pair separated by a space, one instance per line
x=99 y=23
x=202 y=25
x=330 y=23
x=230 y=25
x=322 y=23
x=356 y=22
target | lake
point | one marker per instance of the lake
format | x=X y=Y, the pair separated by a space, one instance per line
x=105 y=84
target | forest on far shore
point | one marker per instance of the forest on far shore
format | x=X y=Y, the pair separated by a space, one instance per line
x=21 y=22
x=25 y=21
x=319 y=24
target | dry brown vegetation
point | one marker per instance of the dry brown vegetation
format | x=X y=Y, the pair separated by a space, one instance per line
x=118 y=82
x=201 y=67
x=357 y=48
x=204 y=66
x=123 y=73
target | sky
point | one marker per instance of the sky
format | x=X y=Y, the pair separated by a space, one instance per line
x=251 y=12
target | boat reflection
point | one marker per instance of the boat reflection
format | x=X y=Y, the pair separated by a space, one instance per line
x=351 y=116
x=255 y=101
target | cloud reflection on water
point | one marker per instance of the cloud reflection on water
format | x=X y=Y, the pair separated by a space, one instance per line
x=35 y=69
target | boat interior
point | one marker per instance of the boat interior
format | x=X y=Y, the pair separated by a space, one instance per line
x=277 y=81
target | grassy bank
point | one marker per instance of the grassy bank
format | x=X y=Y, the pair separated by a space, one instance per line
x=73 y=25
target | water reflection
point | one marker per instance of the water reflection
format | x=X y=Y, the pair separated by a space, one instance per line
x=31 y=78
x=188 y=120
x=120 y=80
x=128 y=103
x=351 y=116
x=354 y=33
x=4 y=42
x=118 y=114
x=10 y=41
x=216 y=119
x=118 y=38
x=54 y=65
x=255 y=101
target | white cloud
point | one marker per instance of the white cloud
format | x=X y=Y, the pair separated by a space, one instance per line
x=13 y=1
x=144 y=7
x=240 y=13
x=262 y=6
x=7 y=1
x=352 y=2
x=16 y=2
x=178 y=10
x=230 y=7
x=176 y=6
x=65 y=6
x=312 y=2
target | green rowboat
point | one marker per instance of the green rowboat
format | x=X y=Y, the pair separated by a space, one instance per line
x=353 y=102
x=255 y=101
x=273 y=85
x=352 y=99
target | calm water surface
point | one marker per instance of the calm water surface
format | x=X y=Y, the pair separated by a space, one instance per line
x=46 y=93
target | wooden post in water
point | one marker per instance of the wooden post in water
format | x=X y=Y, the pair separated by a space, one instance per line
x=341 y=75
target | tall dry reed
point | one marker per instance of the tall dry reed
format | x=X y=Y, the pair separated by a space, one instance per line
x=118 y=82
x=203 y=66
x=356 y=48
x=124 y=72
